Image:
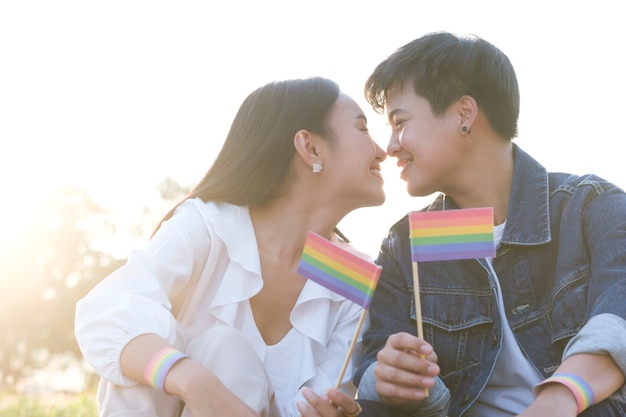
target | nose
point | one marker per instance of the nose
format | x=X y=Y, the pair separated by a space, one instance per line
x=380 y=152
x=394 y=147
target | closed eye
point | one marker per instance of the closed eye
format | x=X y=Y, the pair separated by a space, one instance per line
x=397 y=124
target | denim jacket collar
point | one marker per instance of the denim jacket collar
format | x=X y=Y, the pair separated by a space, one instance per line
x=528 y=219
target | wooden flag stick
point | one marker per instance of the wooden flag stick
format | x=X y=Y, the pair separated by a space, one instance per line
x=418 y=308
x=351 y=349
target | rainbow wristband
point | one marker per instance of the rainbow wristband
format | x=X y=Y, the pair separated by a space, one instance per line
x=581 y=390
x=160 y=364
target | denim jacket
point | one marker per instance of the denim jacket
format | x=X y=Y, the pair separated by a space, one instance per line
x=562 y=261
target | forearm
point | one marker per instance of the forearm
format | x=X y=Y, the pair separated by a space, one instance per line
x=600 y=377
x=137 y=353
x=599 y=371
x=181 y=380
x=596 y=355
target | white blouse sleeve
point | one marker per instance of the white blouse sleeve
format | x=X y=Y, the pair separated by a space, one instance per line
x=135 y=299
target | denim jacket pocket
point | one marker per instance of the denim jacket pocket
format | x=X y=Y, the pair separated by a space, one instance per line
x=458 y=323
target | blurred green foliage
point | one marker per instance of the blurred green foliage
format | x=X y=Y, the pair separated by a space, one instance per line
x=82 y=405
x=57 y=259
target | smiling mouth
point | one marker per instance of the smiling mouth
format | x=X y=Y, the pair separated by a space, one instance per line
x=403 y=163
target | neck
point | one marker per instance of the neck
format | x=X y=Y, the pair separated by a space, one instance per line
x=494 y=179
x=281 y=227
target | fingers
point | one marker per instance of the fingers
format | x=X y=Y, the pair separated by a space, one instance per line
x=393 y=381
x=334 y=404
x=346 y=404
x=406 y=368
x=409 y=353
x=409 y=343
x=316 y=405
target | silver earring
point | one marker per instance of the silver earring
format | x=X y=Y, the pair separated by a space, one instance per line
x=317 y=167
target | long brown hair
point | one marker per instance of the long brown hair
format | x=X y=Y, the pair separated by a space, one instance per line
x=255 y=158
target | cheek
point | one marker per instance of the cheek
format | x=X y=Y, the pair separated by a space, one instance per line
x=426 y=134
x=407 y=138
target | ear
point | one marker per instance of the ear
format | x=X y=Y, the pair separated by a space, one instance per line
x=307 y=145
x=468 y=112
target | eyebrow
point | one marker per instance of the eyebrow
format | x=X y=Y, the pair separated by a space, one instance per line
x=394 y=112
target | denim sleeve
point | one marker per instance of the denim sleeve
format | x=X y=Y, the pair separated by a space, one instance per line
x=604 y=234
x=435 y=405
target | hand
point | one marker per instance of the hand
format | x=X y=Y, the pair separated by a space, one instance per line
x=334 y=404
x=406 y=367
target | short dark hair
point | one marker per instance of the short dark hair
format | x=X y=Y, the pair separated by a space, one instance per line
x=443 y=67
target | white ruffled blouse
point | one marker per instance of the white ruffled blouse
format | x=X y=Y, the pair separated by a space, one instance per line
x=200 y=270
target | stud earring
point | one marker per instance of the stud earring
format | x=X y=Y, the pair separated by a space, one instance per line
x=317 y=167
x=465 y=129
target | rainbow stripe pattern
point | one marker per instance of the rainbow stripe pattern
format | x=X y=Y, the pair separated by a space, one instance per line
x=582 y=391
x=339 y=270
x=159 y=365
x=451 y=234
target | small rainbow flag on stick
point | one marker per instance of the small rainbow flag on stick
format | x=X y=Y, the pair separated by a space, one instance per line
x=343 y=272
x=448 y=235
x=339 y=270
x=452 y=234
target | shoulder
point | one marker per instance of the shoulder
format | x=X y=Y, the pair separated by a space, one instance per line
x=210 y=209
x=588 y=183
x=200 y=222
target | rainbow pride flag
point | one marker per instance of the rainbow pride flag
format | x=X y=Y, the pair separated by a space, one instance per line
x=339 y=270
x=451 y=234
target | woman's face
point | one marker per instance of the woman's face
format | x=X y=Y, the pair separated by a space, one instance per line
x=353 y=161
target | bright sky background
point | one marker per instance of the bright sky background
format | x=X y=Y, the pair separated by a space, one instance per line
x=116 y=95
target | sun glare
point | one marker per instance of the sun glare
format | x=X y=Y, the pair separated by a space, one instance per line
x=14 y=221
